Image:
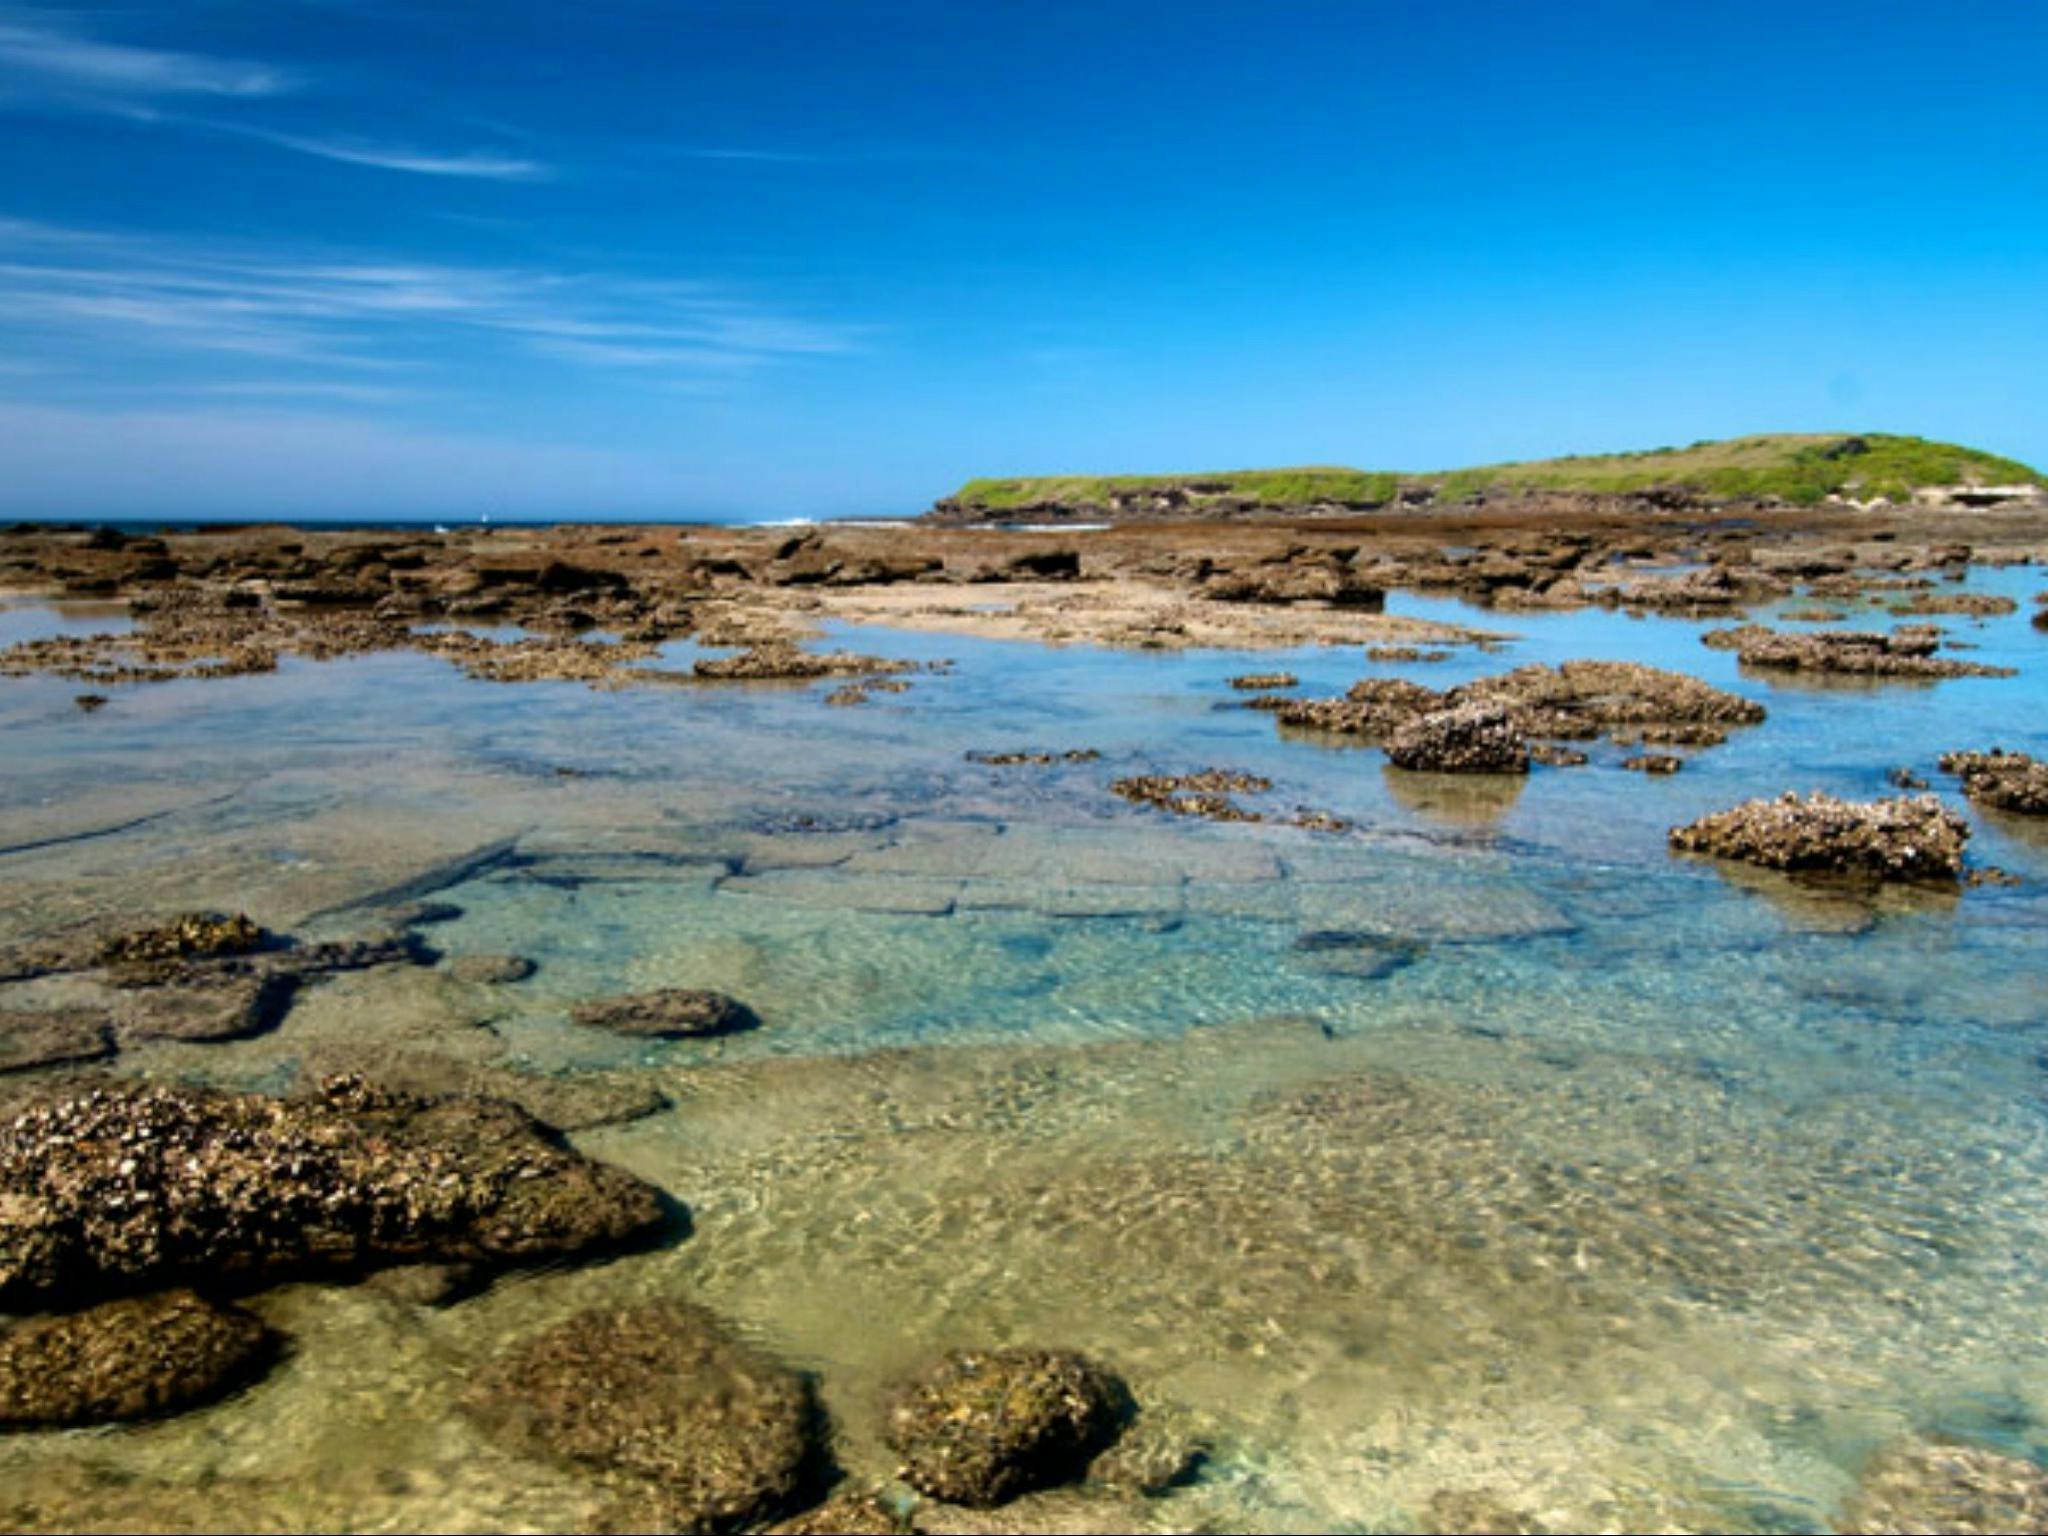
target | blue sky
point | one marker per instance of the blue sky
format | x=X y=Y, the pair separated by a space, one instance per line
x=761 y=258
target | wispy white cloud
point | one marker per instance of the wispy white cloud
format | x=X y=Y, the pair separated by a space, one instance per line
x=384 y=157
x=37 y=51
x=71 y=289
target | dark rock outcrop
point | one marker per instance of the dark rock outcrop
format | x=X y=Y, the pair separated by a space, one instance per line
x=2005 y=781
x=980 y=1427
x=1903 y=839
x=720 y=1436
x=132 y=1187
x=667 y=1014
x=128 y=1359
x=1470 y=738
x=1905 y=652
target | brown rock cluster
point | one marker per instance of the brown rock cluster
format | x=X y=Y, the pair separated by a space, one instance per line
x=1904 y=839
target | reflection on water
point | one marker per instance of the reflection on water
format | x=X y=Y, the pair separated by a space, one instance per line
x=1456 y=799
x=1630 y=1192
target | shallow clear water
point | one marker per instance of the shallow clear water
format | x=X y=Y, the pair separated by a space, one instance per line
x=1645 y=1196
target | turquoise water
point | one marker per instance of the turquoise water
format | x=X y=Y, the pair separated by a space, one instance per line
x=1643 y=1194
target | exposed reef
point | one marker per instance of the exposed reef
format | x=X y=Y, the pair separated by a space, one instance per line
x=1904 y=839
x=127 y=1188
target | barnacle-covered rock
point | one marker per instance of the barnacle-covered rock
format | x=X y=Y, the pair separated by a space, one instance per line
x=719 y=1435
x=1913 y=838
x=1470 y=738
x=982 y=1426
x=2005 y=781
x=130 y=1187
x=127 y=1359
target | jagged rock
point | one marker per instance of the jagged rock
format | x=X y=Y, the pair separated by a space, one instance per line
x=31 y=1037
x=1036 y=759
x=1580 y=699
x=1470 y=738
x=1964 y=1490
x=1653 y=763
x=132 y=1187
x=1907 y=651
x=980 y=1427
x=669 y=1013
x=721 y=1436
x=194 y=936
x=1904 y=839
x=1253 y=682
x=1374 y=707
x=2005 y=781
x=1206 y=793
x=1974 y=605
x=775 y=660
x=128 y=1359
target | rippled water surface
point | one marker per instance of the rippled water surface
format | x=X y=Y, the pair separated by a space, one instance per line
x=1637 y=1195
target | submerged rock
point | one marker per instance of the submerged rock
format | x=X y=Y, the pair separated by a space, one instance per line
x=1961 y=1489
x=209 y=1004
x=1904 y=839
x=31 y=1037
x=2005 y=781
x=491 y=970
x=722 y=1436
x=1653 y=763
x=128 y=1359
x=1255 y=682
x=1359 y=955
x=1476 y=1512
x=1205 y=793
x=982 y=1426
x=1471 y=738
x=670 y=1013
x=845 y=1514
x=1032 y=758
x=133 y=1187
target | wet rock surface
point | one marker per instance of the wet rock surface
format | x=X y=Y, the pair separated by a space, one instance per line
x=2005 y=781
x=47 y=1037
x=1033 y=759
x=491 y=970
x=1254 y=682
x=1906 y=652
x=1903 y=839
x=1934 y=1488
x=980 y=1427
x=128 y=1359
x=1581 y=699
x=127 y=1188
x=670 y=1013
x=719 y=1436
x=1205 y=793
x=1470 y=738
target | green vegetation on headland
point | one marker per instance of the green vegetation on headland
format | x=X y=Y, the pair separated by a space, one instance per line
x=1797 y=468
